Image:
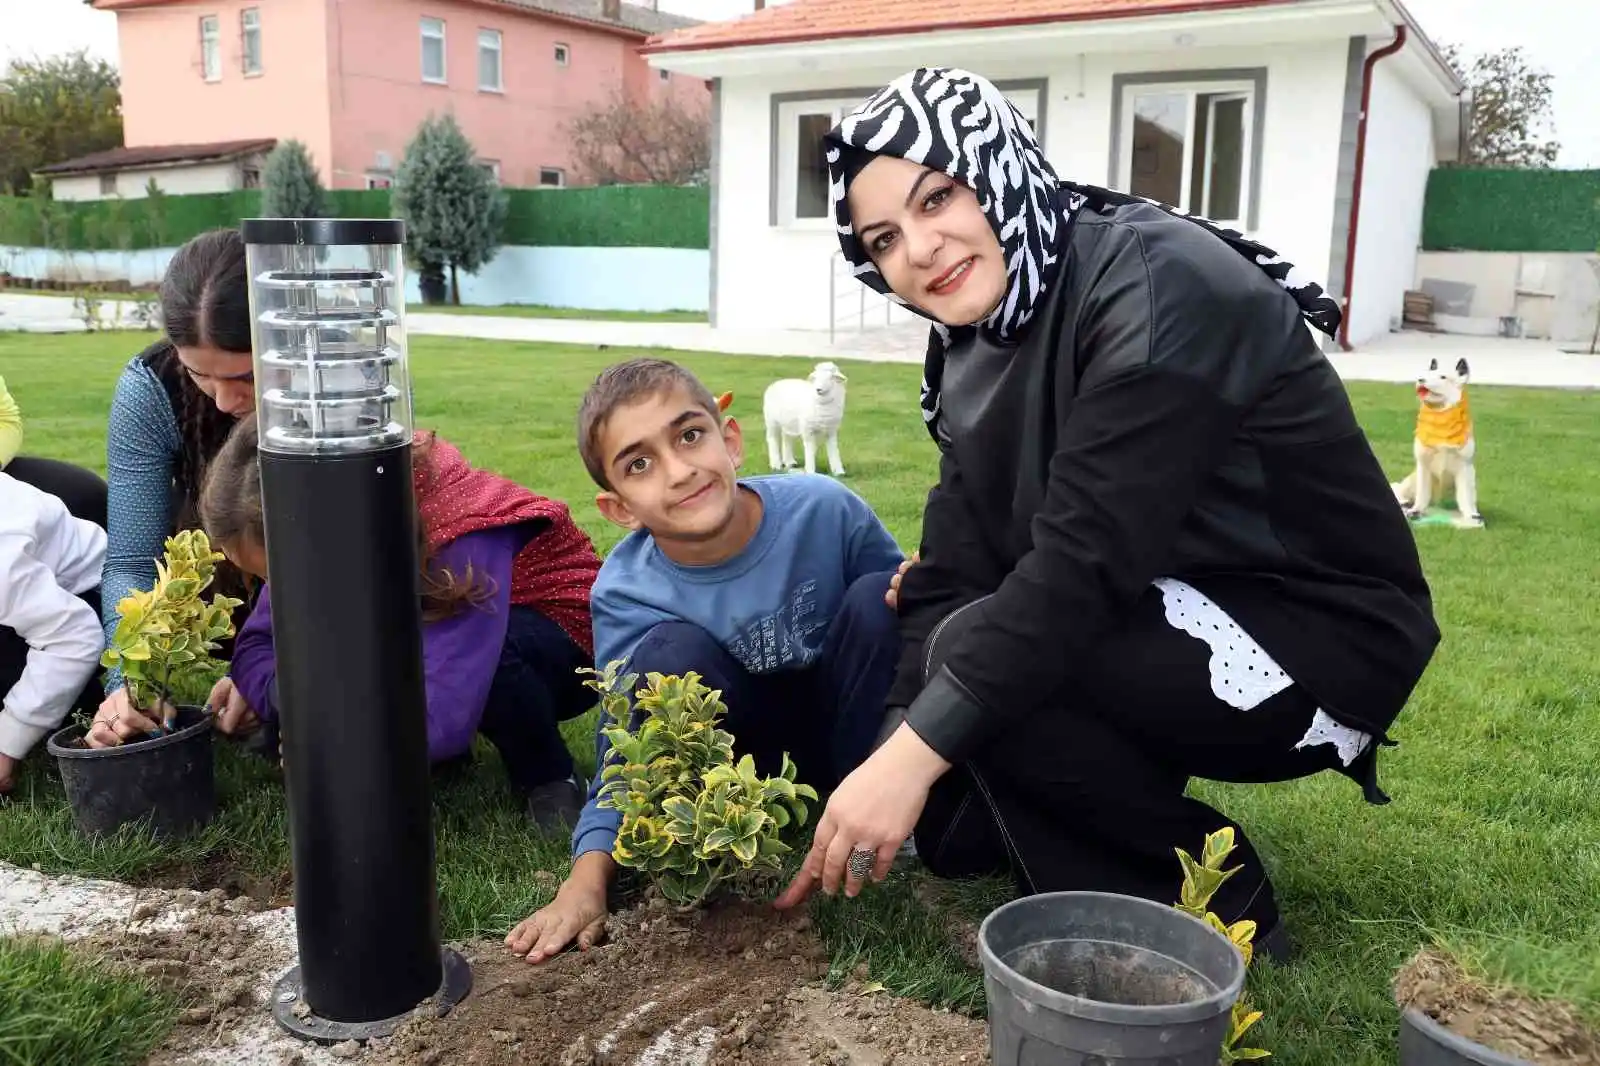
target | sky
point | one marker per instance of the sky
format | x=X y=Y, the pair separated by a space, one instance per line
x=1547 y=29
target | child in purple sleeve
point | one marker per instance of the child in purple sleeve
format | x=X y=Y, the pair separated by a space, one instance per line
x=505 y=616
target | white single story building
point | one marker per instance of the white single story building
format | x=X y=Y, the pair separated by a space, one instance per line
x=1247 y=111
x=176 y=169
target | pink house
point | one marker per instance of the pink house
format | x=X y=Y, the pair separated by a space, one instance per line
x=353 y=78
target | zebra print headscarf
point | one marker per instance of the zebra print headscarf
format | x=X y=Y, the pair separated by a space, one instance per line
x=959 y=123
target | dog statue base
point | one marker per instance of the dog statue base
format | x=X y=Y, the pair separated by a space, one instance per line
x=1444 y=447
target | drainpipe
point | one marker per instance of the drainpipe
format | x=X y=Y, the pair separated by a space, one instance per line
x=1389 y=49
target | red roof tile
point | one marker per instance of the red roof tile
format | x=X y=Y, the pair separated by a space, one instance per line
x=810 y=20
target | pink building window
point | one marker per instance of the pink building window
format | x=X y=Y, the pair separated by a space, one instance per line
x=489 y=66
x=563 y=55
x=250 y=41
x=433 y=68
x=210 y=48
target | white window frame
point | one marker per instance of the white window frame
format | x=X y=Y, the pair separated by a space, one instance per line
x=492 y=41
x=562 y=54
x=377 y=180
x=250 y=28
x=432 y=29
x=1193 y=90
x=493 y=167
x=789 y=115
x=210 y=48
x=108 y=184
x=560 y=176
x=788 y=155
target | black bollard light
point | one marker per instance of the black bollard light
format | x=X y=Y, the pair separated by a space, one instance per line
x=333 y=403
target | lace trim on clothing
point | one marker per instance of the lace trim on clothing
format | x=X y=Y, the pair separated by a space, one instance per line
x=1243 y=675
x=1324 y=730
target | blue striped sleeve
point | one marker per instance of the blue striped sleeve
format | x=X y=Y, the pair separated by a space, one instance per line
x=142 y=447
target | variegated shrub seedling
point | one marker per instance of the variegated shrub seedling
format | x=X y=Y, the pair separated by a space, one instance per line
x=166 y=634
x=1201 y=879
x=693 y=817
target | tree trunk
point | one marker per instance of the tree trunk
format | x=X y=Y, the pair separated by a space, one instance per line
x=455 y=286
x=430 y=279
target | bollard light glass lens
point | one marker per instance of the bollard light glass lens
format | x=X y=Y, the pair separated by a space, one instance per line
x=327 y=300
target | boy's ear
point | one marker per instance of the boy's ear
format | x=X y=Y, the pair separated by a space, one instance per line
x=612 y=507
x=733 y=437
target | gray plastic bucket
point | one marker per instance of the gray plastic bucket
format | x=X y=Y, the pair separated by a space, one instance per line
x=1098 y=979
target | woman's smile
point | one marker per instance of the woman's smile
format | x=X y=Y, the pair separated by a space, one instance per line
x=951 y=279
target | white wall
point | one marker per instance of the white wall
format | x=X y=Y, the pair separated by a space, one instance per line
x=1555 y=294
x=595 y=279
x=778 y=277
x=1394 y=181
x=130 y=184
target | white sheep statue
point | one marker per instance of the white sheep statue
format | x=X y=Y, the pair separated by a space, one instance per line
x=809 y=408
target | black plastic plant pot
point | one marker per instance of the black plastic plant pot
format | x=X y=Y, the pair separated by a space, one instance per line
x=1424 y=1042
x=169 y=781
x=1099 y=979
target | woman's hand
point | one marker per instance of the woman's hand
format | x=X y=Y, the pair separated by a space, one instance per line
x=875 y=808
x=892 y=597
x=8 y=769
x=234 y=716
x=117 y=721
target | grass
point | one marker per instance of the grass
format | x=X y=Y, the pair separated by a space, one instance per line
x=57 y=1009
x=1489 y=844
x=538 y=311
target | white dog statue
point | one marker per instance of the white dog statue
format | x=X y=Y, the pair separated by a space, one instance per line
x=1444 y=447
x=810 y=409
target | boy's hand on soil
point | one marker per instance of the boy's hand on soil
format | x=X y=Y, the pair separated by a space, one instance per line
x=892 y=597
x=576 y=912
x=234 y=715
x=117 y=721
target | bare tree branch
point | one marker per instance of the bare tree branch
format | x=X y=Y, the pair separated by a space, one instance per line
x=626 y=142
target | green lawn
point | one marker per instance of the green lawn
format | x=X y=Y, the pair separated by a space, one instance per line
x=1490 y=841
x=57 y=1009
x=538 y=311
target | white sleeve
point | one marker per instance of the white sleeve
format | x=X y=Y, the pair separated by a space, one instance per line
x=64 y=644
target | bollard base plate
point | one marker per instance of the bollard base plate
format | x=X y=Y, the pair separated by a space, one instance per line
x=293 y=1014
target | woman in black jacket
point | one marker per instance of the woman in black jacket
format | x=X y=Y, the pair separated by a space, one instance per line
x=1160 y=546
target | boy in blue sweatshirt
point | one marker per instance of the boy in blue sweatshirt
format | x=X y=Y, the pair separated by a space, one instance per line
x=771 y=588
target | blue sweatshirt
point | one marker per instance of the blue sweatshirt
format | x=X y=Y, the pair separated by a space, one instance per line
x=770 y=606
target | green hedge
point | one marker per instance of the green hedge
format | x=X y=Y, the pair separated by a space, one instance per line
x=618 y=216
x=612 y=216
x=1512 y=211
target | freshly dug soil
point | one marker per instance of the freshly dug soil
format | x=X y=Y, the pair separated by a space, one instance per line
x=225 y=872
x=733 y=985
x=211 y=959
x=1543 y=1033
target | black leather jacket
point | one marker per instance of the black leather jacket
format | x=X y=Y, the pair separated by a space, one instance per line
x=1167 y=414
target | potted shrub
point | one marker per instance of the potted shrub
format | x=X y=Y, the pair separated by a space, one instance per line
x=1454 y=1014
x=695 y=821
x=1108 y=978
x=163 y=645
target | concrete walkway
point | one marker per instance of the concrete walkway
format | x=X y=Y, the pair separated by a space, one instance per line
x=1395 y=357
